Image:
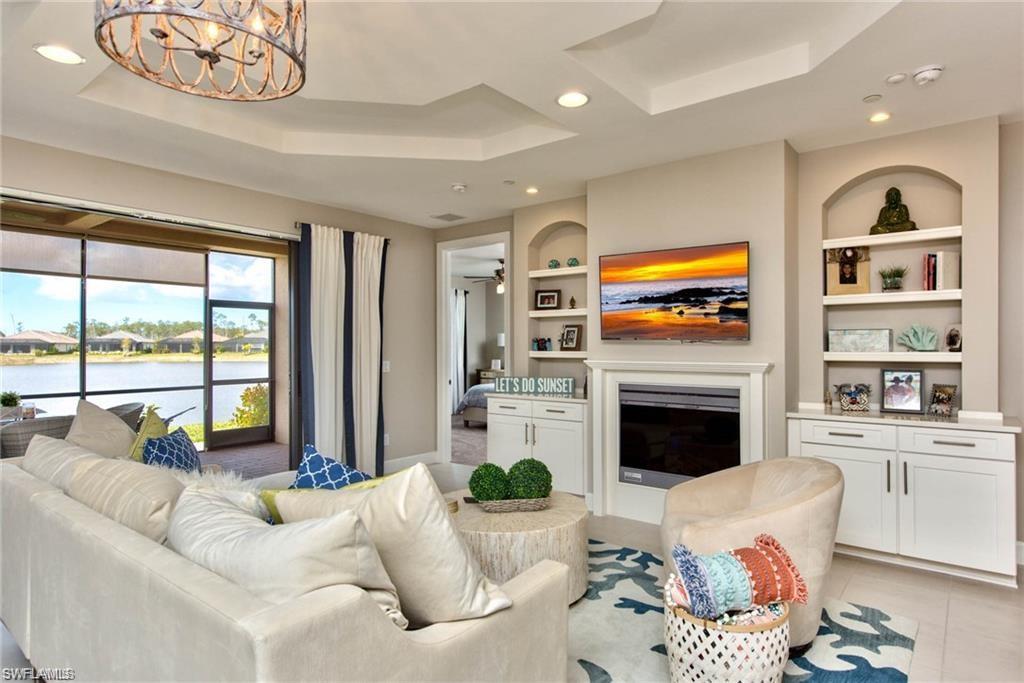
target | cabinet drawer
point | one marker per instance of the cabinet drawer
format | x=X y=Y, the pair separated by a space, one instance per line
x=853 y=434
x=552 y=410
x=508 y=406
x=960 y=442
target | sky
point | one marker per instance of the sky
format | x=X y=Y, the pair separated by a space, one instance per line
x=49 y=302
x=724 y=260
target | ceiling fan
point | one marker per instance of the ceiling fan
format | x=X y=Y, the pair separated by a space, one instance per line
x=498 y=277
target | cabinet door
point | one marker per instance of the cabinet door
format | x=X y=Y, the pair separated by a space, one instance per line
x=559 y=445
x=869 y=517
x=508 y=439
x=958 y=510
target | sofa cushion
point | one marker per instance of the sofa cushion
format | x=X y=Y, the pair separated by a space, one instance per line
x=128 y=492
x=407 y=517
x=280 y=563
x=100 y=431
x=317 y=471
x=152 y=427
x=174 y=450
x=54 y=460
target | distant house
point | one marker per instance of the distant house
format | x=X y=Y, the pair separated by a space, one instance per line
x=258 y=341
x=30 y=341
x=184 y=342
x=112 y=341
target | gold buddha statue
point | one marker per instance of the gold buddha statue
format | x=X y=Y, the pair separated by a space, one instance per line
x=894 y=216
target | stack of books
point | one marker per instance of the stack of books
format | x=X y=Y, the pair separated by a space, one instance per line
x=941 y=270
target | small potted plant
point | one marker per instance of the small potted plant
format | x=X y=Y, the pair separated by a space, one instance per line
x=892 y=277
x=10 y=405
x=526 y=487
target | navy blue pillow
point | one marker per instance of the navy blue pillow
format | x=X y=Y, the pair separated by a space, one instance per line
x=317 y=471
x=174 y=450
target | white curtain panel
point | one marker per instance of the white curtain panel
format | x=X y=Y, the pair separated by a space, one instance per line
x=457 y=338
x=368 y=251
x=327 y=318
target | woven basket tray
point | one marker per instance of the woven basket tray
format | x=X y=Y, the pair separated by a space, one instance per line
x=703 y=651
x=515 y=505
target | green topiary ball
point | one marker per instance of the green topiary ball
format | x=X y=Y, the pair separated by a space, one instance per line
x=489 y=482
x=529 y=478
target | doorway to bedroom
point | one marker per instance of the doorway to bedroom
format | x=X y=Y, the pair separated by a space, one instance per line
x=473 y=311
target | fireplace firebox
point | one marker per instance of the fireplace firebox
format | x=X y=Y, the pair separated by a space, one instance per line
x=669 y=434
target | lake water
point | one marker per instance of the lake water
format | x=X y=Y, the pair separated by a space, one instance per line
x=62 y=377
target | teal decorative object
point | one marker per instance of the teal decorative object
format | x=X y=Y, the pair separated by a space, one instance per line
x=572 y=262
x=529 y=478
x=554 y=263
x=919 y=338
x=489 y=482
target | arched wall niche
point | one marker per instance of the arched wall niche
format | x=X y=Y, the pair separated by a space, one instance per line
x=935 y=200
x=559 y=240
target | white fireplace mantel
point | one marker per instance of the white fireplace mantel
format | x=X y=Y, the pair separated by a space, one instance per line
x=644 y=503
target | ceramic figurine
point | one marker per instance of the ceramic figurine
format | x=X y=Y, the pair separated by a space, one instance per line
x=572 y=262
x=572 y=302
x=553 y=263
x=894 y=216
x=919 y=338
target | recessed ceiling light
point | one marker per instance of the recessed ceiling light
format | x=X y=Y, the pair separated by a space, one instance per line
x=871 y=98
x=896 y=78
x=532 y=190
x=59 y=54
x=927 y=75
x=573 y=99
x=879 y=117
x=459 y=187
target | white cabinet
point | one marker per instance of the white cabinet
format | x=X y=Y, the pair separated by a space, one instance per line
x=941 y=494
x=549 y=430
x=869 y=517
x=958 y=510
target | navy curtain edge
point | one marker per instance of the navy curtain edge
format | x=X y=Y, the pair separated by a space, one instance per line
x=380 y=367
x=306 y=379
x=348 y=397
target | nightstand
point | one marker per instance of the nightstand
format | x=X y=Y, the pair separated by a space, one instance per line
x=488 y=375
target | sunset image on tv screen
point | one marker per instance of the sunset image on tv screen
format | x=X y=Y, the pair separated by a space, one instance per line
x=692 y=294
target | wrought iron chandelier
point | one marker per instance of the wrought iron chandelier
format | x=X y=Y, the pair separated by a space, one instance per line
x=242 y=50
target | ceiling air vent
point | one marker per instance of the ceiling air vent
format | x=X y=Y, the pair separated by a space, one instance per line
x=448 y=217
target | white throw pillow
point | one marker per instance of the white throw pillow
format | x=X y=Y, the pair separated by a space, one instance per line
x=280 y=563
x=138 y=496
x=425 y=555
x=101 y=432
x=54 y=460
x=242 y=492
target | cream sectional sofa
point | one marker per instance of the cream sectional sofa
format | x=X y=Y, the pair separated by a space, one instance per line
x=80 y=590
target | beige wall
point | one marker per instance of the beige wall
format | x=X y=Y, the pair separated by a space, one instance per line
x=409 y=389
x=1011 y=282
x=967 y=153
x=733 y=196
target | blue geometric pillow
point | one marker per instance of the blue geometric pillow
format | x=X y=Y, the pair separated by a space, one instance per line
x=174 y=450
x=317 y=471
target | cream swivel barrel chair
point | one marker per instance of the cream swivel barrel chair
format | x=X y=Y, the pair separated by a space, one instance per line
x=794 y=499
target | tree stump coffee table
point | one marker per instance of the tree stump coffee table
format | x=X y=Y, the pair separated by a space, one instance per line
x=508 y=543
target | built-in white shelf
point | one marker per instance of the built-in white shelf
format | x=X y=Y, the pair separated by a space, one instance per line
x=928 y=235
x=565 y=355
x=560 y=313
x=558 y=272
x=893 y=297
x=893 y=357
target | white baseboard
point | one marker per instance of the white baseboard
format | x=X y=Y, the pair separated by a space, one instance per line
x=397 y=464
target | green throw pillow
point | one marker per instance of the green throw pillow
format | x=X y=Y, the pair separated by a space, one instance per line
x=152 y=427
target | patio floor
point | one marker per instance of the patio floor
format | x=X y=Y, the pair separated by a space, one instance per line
x=250 y=460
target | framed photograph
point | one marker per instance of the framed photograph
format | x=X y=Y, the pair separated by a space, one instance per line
x=942 y=400
x=572 y=338
x=547 y=299
x=953 y=339
x=848 y=271
x=860 y=341
x=902 y=391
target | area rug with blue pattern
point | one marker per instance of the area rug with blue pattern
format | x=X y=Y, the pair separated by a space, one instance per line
x=616 y=630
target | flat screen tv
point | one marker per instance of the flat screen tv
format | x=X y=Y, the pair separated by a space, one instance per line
x=687 y=294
